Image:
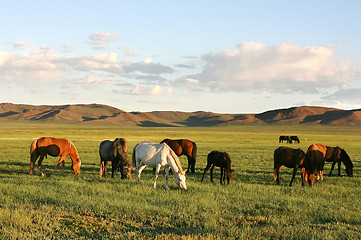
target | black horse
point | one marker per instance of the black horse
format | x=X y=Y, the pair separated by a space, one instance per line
x=184 y=147
x=295 y=139
x=116 y=152
x=285 y=138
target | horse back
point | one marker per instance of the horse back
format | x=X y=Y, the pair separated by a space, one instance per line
x=219 y=159
x=56 y=146
x=288 y=157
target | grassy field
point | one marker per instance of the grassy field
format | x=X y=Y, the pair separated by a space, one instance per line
x=253 y=206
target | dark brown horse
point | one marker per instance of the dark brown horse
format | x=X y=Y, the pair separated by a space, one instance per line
x=222 y=160
x=315 y=159
x=335 y=155
x=291 y=158
x=184 y=147
x=54 y=147
x=116 y=152
x=285 y=138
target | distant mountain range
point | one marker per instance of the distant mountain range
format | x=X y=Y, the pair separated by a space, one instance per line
x=103 y=114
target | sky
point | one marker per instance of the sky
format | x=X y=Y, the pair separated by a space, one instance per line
x=219 y=56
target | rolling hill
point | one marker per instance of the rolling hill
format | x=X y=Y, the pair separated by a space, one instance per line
x=103 y=114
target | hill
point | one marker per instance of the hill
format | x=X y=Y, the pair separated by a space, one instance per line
x=103 y=114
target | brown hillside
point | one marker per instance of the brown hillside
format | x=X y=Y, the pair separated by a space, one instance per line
x=103 y=114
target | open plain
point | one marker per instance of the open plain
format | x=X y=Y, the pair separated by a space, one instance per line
x=252 y=206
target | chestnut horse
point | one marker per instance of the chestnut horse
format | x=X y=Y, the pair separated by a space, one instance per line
x=55 y=147
x=222 y=160
x=335 y=155
x=184 y=147
x=116 y=152
x=291 y=158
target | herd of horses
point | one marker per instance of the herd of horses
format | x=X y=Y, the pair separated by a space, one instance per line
x=166 y=154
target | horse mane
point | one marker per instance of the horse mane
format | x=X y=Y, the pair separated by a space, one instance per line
x=175 y=157
x=347 y=159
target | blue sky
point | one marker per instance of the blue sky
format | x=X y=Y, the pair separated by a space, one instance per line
x=219 y=56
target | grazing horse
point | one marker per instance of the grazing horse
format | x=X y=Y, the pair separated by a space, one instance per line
x=315 y=159
x=291 y=158
x=158 y=155
x=335 y=155
x=285 y=138
x=222 y=160
x=116 y=152
x=55 y=147
x=184 y=147
x=295 y=139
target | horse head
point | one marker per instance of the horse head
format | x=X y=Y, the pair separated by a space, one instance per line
x=76 y=166
x=181 y=180
x=345 y=158
x=229 y=175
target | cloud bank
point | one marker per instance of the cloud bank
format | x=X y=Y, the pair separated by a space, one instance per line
x=257 y=67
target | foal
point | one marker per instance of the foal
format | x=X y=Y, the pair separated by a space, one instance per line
x=222 y=160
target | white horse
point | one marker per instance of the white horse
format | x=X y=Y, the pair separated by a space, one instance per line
x=158 y=155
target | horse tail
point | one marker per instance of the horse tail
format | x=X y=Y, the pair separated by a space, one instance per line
x=194 y=151
x=34 y=146
x=134 y=156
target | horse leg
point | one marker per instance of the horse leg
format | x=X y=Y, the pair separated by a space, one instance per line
x=339 y=167
x=62 y=158
x=139 y=171
x=304 y=176
x=34 y=156
x=212 y=170
x=39 y=163
x=276 y=173
x=157 y=168
x=166 y=177
x=293 y=175
x=222 y=176
x=333 y=165
x=114 y=167
x=62 y=167
x=205 y=171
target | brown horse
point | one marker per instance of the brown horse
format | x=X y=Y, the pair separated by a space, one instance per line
x=335 y=155
x=291 y=158
x=295 y=139
x=315 y=159
x=116 y=152
x=55 y=147
x=184 y=147
x=222 y=160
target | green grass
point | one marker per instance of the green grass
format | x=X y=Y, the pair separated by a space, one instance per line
x=253 y=206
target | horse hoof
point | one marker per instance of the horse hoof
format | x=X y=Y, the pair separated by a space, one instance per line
x=167 y=188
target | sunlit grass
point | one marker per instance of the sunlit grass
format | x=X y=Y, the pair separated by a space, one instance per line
x=84 y=206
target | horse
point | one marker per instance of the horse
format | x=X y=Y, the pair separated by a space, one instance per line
x=295 y=139
x=335 y=155
x=222 y=160
x=184 y=147
x=116 y=152
x=55 y=147
x=158 y=155
x=291 y=158
x=315 y=159
x=284 y=138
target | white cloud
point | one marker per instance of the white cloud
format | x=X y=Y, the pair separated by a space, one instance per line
x=101 y=40
x=155 y=90
x=20 y=45
x=257 y=67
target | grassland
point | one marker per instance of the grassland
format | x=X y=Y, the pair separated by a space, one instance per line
x=253 y=207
